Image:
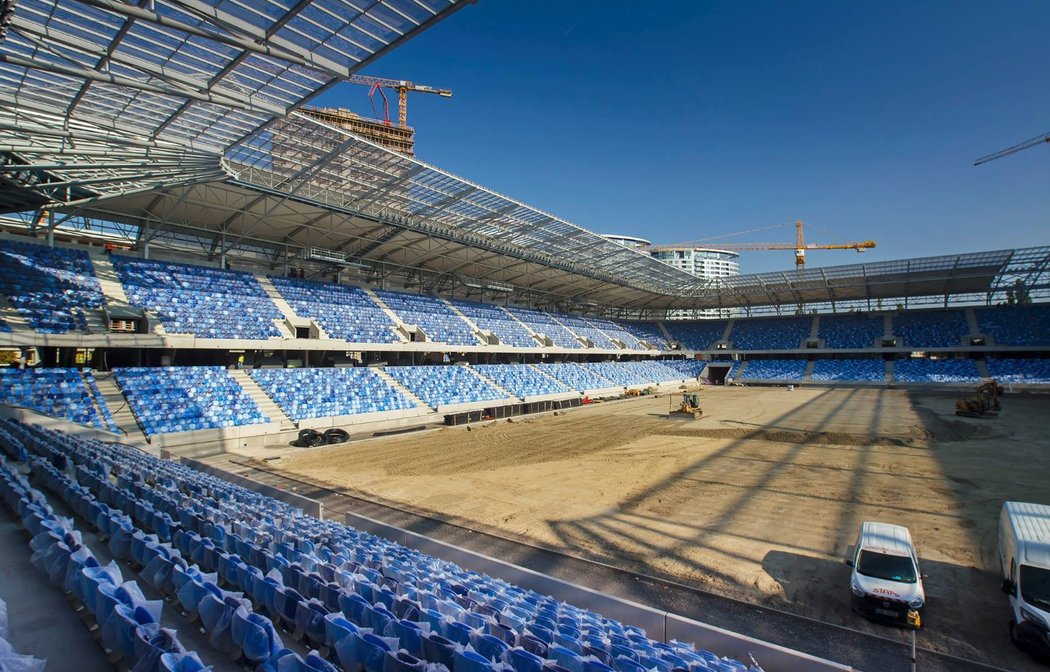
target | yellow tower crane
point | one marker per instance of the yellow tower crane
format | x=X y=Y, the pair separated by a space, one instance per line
x=799 y=246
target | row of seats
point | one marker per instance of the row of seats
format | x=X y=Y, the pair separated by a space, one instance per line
x=497 y=320
x=445 y=385
x=849 y=370
x=582 y=327
x=1026 y=371
x=522 y=381
x=433 y=315
x=376 y=605
x=329 y=392
x=52 y=288
x=10 y=659
x=1015 y=325
x=646 y=331
x=576 y=376
x=205 y=302
x=922 y=370
x=343 y=312
x=774 y=369
x=61 y=393
x=543 y=323
x=186 y=398
x=851 y=330
x=773 y=333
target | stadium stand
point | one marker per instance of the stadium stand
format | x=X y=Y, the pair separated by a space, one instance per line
x=371 y=603
x=50 y=287
x=935 y=329
x=696 y=334
x=186 y=398
x=344 y=312
x=770 y=333
x=617 y=331
x=774 y=369
x=521 y=380
x=329 y=392
x=432 y=315
x=1016 y=325
x=61 y=393
x=922 y=370
x=542 y=323
x=634 y=373
x=205 y=302
x=646 y=331
x=688 y=368
x=850 y=330
x=1027 y=371
x=445 y=385
x=576 y=376
x=849 y=370
x=495 y=319
x=583 y=328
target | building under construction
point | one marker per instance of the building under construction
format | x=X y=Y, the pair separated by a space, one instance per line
x=398 y=138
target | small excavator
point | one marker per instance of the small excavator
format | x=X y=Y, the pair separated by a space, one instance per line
x=984 y=403
x=688 y=408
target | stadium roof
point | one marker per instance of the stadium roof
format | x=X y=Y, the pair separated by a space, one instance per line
x=178 y=117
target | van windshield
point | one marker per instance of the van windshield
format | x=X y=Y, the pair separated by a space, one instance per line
x=897 y=568
x=1035 y=586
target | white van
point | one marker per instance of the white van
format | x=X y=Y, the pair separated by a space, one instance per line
x=886 y=583
x=1024 y=559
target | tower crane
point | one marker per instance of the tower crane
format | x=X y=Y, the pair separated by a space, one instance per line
x=799 y=246
x=402 y=87
x=1039 y=140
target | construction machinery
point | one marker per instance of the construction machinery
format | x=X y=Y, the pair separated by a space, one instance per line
x=799 y=246
x=983 y=404
x=636 y=392
x=400 y=138
x=688 y=408
x=1031 y=142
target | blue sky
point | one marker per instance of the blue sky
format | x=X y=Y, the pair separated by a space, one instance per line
x=682 y=121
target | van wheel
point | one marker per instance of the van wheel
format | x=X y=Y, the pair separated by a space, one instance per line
x=1013 y=632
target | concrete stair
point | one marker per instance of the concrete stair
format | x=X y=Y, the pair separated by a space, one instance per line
x=109 y=280
x=971 y=321
x=402 y=328
x=400 y=388
x=283 y=306
x=119 y=408
x=667 y=334
x=729 y=329
x=267 y=405
x=807 y=375
x=814 y=331
x=475 y=328
x=889 y=370
x=739 y=370
x=11 y=317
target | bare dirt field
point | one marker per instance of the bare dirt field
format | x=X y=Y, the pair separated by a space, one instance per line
x=760 y=499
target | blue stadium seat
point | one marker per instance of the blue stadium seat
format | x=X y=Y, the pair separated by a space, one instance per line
x=445 y=385
x=851 y=330
x=770 y=333
x=646 y=331
x=51 y=287
x=521 y=380
x=696 y=334
x=344 y=312
x=922 y=370
x=433 y=315
x=576 y=377
x=62 y=393
x=1016 y=325
x=497 y=320
x=325 y=392
x=1020 y=371
x=930 y=329
x=774 y=369
x=542 y=323
x=849 y=370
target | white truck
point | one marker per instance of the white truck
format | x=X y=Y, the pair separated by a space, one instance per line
x=885 y=583
x=1024 y=560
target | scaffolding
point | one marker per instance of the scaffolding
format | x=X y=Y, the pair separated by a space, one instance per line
x=400 y=139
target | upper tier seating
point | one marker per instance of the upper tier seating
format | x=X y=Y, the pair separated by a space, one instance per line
x=774 y=369
x=325 y=392
x=619 y=332
x=495 y=319
x=576 y=377
x=582 y=327
x=432 y=315
x=445 y=385
x=326 y=581
x=542 y=323
x=186 y=398
x=646 y=331
x=935 y=329
x=344 y=312
x=921 y=370
x=1030 y=371
x=851 y=330
x=205 y=302
x=1016 y=325
x=61 y=393
x=521 y=380
x=857 y=370
x=770 y=333
x=50 y=287
x=696 y=334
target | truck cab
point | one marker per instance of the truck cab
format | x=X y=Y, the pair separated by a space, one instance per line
x=885 y=583
x=1024 y=560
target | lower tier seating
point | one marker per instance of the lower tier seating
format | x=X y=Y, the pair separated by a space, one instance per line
x=326 y=392
x=576 y=377
x=521 y=380
x=60 y=393
x=1018 y=371
x=186 y=398
x=921 y=370
x=847 y=370
x=774 y=369
x=688 y=368
x=445 y=385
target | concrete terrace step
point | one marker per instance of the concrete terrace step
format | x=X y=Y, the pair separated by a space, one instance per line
x=399 y=387
x=267 y=405
x=119 y=408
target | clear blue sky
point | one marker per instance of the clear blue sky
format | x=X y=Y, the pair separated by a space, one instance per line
x=685 y=120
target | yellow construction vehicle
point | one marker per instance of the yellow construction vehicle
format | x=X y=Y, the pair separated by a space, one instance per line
x=688 y=408
x=984 y=403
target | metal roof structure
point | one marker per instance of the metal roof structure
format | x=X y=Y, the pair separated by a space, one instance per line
x=177 y=119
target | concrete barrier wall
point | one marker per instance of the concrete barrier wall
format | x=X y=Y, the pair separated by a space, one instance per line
x=659 y=625
x=311 y=507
